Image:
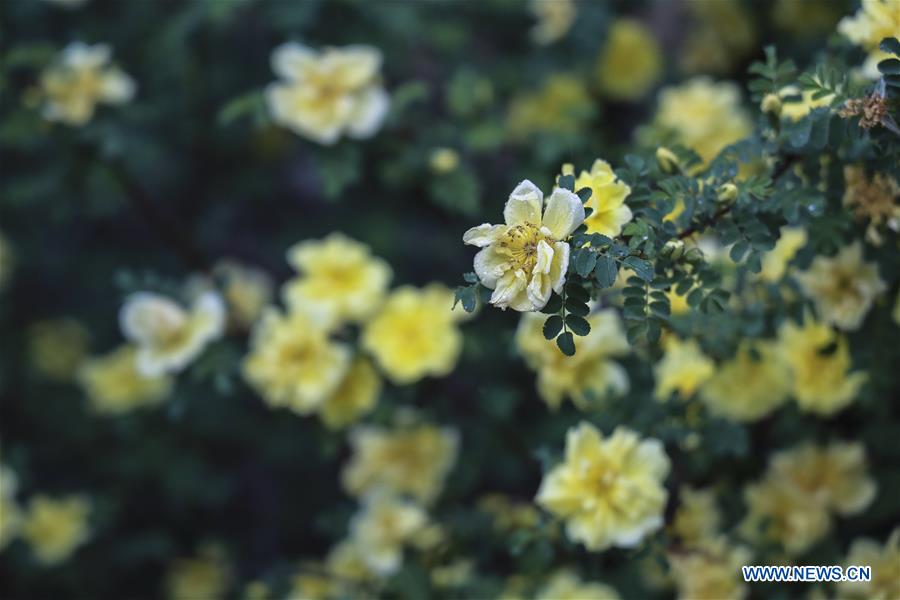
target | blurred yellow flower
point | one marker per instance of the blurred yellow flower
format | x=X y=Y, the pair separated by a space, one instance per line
x=381 y=530
x=560 y=107
x=608 y=490
x=589 y=374
x=749 y=386
x=793 y=503
x=720 y=35
x=631 y=61
x=526 y=259
x=415 y=334
x=355 y=396
x=697 y=518
x=326 y=94
x=167 y=336
x=820 y=363
x=507 y=514
x=705 y=116
x=566 y=585
x=203 y=576
x=411 y=460
x=874 y=21
x=711 y=571
x=345 y=561
x=339 y=277
x=775 y=261
x=805 y=18
x=842 y=287
x=607 y=199
x=114 y=385
x=683 y=369
x=55 y=527
x=57 y=347
x=885 y=563
x=247 y=291
x=452 y=575
x=293 y=363
x=79 y=80
x=443 y=160
x=555 y=18
x=875 y=199
x=833 y=476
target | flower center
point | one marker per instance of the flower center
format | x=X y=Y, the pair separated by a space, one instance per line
x=520 y=245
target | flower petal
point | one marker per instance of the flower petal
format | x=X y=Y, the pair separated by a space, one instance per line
x=524 y=205
x=559 y=266
x=371 y=107
x=483 y=234
x=539 y=291
x=508 y=287
x=564 y=213
x=290 y=60
x=490 y=266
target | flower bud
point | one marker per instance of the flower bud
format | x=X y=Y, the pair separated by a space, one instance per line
x=771 y=105
x=694 y=256
x=667 y=160
x=673 y=249
x=727 y=193
x=444 y=160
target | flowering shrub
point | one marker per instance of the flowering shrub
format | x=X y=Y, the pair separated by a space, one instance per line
x=235 y=365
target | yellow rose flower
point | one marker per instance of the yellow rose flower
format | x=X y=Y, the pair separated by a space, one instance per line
x=527 y=258
x=168 y=337
x=607 y=199
x=820 y=363
x=57 y=347
x=412 y=460
x=55 y=527
x=555 y=18
x=566 y=585
x=749 y=386
x=842 y=287
x=885 y=563
x=203 y=576
x=631 y=61
x=609 y=491
x=80 y=80
x=354 y=397
x=326 y=94
x=710 y=571
x=114 y=385
x=705 y=116
x=415 y=334
x=683 y=369
x=697 y=518
x=834 y=476
x=381 y=530
x=874 y=21
x=346 y=561
x=559 y=107
x=589 y=374
x=339 y=277
x=293 y=363
x=793 y=504
x=775 y=261
x=246 y=290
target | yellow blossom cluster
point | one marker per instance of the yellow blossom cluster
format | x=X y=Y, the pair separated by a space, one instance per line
x=875 y=199
x=81 y=79
x=607 y=202
x=793 y=504
x=57 y=347
x=885 y=563
x=722 y=34
x=683 y=369
x=323 y=95
x=590 y=374
x=554 y=19
x=205 y=575
x=567 y=584
x=608 y=489
x=631 y=61
x=559 y=107
x=750 y=385
x=55 y=527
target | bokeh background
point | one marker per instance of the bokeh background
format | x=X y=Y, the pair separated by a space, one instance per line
x=193 y=170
